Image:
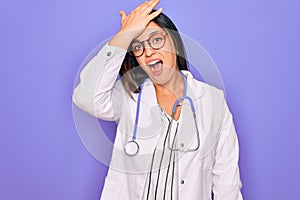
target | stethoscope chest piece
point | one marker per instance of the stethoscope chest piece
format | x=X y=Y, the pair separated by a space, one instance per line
x=131 y=148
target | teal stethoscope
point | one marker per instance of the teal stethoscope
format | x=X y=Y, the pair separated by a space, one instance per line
x=131 y=148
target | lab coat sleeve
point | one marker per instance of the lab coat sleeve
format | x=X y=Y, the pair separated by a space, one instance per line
x=226 y=177
x=98 y=93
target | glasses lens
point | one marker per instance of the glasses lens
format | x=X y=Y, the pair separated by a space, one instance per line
x=137 y=48
x=157 y=41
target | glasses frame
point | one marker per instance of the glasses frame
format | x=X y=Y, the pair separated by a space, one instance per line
x=149 y=43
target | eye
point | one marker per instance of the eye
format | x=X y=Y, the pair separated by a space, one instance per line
x=137 y=47
x=157 y=39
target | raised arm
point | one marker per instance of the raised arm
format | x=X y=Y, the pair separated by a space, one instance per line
x=98 y=93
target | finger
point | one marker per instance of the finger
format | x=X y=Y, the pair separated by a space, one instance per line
x=142 y=5
x=155 y=14
x=152 y=4
x=123 y=15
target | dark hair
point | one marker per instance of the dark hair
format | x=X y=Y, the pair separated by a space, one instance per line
x=133 y=76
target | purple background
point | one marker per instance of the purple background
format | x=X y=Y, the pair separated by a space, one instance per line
x=255 y=45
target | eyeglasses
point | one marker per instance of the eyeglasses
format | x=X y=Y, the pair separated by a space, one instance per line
x=155 y=41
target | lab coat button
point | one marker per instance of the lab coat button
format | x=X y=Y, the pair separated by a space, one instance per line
x=108 y=53
x=182 y=181
x=181 y=145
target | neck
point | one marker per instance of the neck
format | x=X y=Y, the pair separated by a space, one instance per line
x=175 y=85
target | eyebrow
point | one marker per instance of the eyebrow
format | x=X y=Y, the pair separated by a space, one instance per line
x=152 y=33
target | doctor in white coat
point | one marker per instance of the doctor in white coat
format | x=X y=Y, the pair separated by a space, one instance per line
x=176 y=154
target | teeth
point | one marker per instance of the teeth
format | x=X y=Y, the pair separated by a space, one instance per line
x=153 y=62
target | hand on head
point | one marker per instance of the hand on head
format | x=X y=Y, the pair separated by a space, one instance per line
x=135 y=23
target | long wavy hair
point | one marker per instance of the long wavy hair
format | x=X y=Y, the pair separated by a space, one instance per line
x=133 y=76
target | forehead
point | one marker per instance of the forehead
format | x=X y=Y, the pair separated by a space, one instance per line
x=151 y=28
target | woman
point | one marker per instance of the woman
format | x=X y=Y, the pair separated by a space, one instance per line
x=175 y=137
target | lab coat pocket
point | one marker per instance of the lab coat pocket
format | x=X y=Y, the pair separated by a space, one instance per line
x=111 y=190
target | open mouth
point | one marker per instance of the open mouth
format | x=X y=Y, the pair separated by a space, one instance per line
x=156 y=66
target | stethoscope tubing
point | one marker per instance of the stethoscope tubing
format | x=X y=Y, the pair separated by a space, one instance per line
x=164 y=144
x=170 y=123
x=137 y=112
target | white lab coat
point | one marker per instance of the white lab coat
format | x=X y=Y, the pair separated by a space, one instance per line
x=214 y=167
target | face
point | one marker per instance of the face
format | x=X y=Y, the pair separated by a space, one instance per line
x=158 y=63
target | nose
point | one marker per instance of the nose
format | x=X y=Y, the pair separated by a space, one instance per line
x=148 y=49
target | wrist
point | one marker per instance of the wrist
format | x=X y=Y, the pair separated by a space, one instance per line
x=121 y=39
